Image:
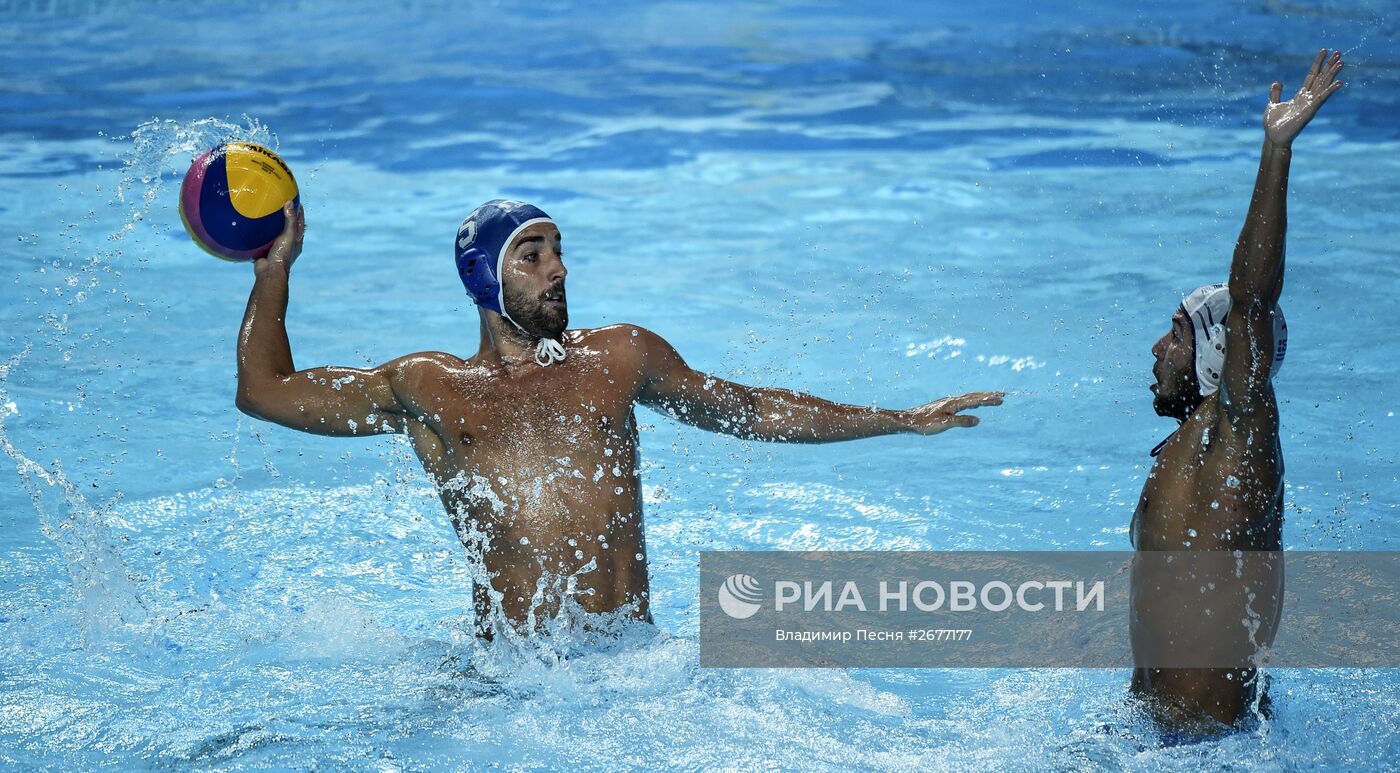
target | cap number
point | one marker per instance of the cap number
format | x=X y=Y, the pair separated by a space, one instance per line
x=466 y=234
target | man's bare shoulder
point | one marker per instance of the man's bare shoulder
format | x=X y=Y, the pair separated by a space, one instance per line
x=621 y=339
x=420 y=369
x=621 y=332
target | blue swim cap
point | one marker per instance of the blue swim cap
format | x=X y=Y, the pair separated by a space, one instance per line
x=482 y=240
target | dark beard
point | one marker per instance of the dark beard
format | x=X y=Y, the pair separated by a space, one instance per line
x=1172 y=408
x=1180 y=403
x=536 y=318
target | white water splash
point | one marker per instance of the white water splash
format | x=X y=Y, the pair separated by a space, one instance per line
x=106 y=591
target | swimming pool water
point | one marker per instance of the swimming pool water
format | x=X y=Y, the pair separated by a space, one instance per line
x=878 y=208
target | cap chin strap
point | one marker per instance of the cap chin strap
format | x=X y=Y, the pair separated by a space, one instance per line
x=1157 y=449
x=547 y=352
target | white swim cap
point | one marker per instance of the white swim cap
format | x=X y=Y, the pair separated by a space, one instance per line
x=1206 y=307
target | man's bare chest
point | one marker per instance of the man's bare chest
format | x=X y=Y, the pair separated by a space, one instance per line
x=579 y=411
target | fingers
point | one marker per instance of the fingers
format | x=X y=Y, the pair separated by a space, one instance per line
x=1329 y=73
x=1329 y=70
x=289 y=218
x=1313 y=71
x=944 y=423
x=1324 y=70
x=288 y=243
x=942 y=415
x=1327 y=85
x=974 y=400
x=293 y=222
x=289 y=224
x=1275 y=92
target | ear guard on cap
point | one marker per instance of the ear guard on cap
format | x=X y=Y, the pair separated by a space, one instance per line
x=1207 y=307
x=482 y=241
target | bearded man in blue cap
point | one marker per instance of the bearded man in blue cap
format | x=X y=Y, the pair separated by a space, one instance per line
x=531 y=443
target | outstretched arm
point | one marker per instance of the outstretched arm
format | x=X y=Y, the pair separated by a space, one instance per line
x=1256 y=274
x=323 y=401
x=780 y=415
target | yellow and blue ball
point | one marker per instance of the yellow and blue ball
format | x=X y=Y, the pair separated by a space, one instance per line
x=232 y=197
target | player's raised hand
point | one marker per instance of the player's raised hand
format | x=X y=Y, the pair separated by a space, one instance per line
x=1284 y=120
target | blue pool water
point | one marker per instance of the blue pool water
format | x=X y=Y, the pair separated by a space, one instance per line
x=879 y=208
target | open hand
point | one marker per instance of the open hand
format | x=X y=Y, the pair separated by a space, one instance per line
x=940 y=415
x=287 y=247
x=1284 y=120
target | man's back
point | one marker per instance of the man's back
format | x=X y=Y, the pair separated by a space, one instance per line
x=1212 y=488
